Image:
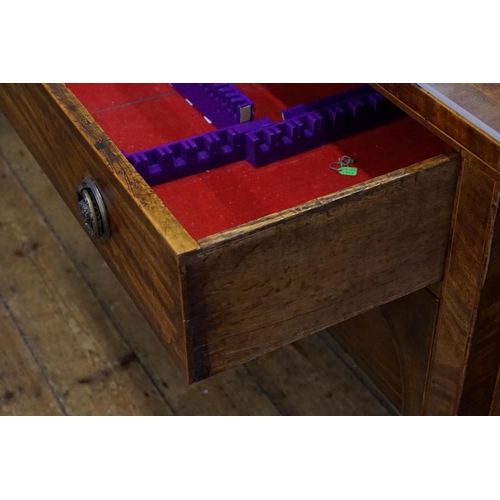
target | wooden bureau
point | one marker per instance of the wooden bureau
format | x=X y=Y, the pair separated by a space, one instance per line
x=367 y=258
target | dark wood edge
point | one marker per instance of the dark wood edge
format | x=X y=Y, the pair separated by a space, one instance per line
x=493 y=404
x=322 y=203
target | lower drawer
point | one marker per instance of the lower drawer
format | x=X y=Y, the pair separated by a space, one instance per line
x=219 y=298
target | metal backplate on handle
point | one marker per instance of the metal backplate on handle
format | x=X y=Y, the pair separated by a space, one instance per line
x=92 y=209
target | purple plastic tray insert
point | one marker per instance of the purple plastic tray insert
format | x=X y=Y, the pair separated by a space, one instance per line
x=319 y=122
x=195 y=154
x=222 y=103
x=261 y=142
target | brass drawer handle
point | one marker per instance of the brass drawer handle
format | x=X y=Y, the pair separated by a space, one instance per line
x=92 y=209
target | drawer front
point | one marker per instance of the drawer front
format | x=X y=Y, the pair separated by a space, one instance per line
x=236 y=295
x=298 y=272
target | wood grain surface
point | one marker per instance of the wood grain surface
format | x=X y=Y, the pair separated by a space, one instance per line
x=24 y=389
x=52 y=302
x=463 y=376
x=259 y=287
x=101 y=347
x=482 y=100
x=466 y=351
x=69 y=145
x=392 y=344
x=369 y=341
x=495 y=406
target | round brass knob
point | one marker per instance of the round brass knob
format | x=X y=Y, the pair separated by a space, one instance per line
x=92 y=209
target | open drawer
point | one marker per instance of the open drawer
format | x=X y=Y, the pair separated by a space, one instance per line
x=277 y=255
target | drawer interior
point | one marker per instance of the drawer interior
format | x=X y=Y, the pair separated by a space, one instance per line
x=141 y=116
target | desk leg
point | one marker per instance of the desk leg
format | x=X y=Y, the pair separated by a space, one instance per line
x=466 y=346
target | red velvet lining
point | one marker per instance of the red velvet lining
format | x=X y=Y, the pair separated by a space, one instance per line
x=228 y=196
x=152 y=122
x=101 y=96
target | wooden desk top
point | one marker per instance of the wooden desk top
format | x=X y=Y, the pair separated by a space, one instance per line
x=478 y=103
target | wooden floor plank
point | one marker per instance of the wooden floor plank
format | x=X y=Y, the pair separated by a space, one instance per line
x=23 y=387
x=368 y=339
x=308 y=378
x=261 y=388
x=91 y=369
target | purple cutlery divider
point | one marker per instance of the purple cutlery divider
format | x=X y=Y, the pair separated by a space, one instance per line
x=317 y=123
x=222 y=103
x=326 y=102
x=287 y=138
x=261 y=142
x=195 y=154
